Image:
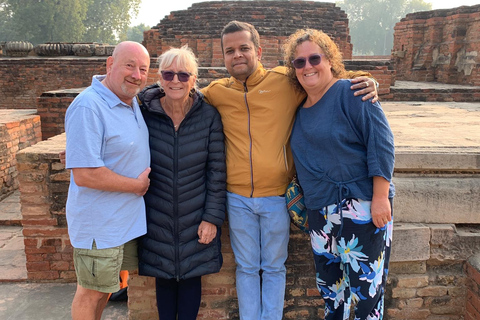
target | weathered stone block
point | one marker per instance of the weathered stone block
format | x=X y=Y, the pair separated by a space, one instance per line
x=415 y=281
x=437 y=199
x=411 y=242
x=450 y=243
x=423 y=161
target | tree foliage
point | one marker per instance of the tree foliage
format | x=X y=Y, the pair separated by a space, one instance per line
x=106 y=18
x=371 y=22
x=135 y=33
x=6 y=30
x=40 y=21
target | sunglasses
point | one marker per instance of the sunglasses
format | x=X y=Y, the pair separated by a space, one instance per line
x=313 y=59
x=169 y=75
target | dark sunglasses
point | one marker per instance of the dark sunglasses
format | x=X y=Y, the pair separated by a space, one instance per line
x=169 y=75
x=313 y=59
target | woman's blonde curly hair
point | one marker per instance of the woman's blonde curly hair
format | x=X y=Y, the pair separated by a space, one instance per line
x=329 y=48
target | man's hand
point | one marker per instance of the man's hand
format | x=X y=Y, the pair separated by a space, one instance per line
x=206 y=232
x=145 y=182
x=365 y=86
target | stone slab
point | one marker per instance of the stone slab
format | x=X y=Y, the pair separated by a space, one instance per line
x=401 y=84
x=440 y=199
x=411 y=242
x=10 y=210
x=47 y=148
x=448 y=126
x=437 y=159
x=450 y=242
x=47 y=301
x=12 y=254
x=11 y=115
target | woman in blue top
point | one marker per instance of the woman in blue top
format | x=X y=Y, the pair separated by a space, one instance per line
x=344 y=154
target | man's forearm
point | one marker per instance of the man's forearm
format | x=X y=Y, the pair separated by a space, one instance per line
x=105 y=179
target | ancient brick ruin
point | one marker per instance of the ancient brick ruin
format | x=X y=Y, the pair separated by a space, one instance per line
x=200 y=25
x=18 y=130
x=439 y=45
x=434 y=272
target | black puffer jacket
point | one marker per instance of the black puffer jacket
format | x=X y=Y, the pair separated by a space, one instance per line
x=187 y=185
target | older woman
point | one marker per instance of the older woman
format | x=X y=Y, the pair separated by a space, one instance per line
x=185 y=204
x=344 y=155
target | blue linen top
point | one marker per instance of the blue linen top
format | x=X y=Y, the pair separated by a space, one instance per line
x=339 y=145
x=102 y=131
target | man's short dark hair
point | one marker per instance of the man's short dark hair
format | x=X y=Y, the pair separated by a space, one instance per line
x=235 y=26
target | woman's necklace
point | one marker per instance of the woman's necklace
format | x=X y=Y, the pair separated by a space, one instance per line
x=170 y=111
x=176 y=125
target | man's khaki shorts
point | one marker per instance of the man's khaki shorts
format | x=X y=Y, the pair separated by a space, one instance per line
x=99 y=269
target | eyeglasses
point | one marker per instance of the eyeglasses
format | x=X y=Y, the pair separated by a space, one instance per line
x=169 y=75
x=313 y=59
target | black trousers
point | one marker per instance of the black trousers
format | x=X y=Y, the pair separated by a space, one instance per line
x=178 y=298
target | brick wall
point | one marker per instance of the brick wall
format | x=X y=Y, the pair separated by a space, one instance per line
x=200 y=25
x=473 y=294
x=426 y=276
x=381 y=70
x=44 y=186
x=439 y=45
x=22 y=80
x=51 y=106
x=19 y=129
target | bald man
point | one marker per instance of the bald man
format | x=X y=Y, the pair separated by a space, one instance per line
x=108 y=154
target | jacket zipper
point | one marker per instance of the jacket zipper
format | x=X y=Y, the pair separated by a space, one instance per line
x=285 y=157
x=250 y=137
x=175 y=207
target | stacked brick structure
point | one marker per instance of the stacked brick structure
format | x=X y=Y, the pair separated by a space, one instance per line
x=22 y=80
x=19 y=129
x=51 y=106
x=200 y=25
x=44 y=186
x=439 y=45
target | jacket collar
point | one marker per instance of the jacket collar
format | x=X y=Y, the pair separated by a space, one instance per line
x=255 y=78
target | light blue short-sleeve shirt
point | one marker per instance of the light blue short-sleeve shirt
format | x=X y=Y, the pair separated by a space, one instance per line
x=102 y=131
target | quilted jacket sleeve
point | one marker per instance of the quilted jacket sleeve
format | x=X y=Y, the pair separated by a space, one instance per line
x=215 y=204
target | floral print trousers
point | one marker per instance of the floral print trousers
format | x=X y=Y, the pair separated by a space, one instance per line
x=351 y=259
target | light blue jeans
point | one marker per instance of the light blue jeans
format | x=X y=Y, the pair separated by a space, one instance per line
x=259 y=233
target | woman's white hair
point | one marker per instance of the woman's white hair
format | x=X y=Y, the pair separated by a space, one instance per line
x=185 y=60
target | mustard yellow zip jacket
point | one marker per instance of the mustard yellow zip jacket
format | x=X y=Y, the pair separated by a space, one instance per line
x=257 y=121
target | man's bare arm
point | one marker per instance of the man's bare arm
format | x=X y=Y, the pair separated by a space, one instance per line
x=105 y=179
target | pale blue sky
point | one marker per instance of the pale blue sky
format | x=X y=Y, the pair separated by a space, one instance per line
x=152 y=11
